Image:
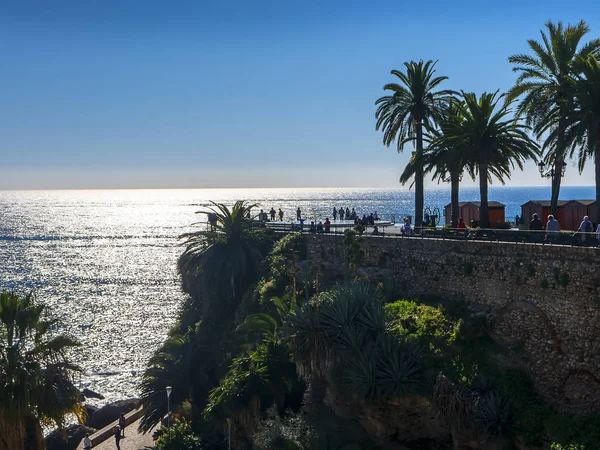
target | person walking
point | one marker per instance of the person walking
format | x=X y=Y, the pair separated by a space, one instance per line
x=334 y=213
x=122 y=424
x=117 y=433
x=298 y=213
x=272 y=212
x=280 y=215
x=87 y=444
x=552 y=228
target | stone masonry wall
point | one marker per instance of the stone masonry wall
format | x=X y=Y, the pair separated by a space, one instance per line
x=544 y=301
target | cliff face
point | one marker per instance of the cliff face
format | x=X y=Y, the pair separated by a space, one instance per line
x=543 y=301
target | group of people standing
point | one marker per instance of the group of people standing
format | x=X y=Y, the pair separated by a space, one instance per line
x=552 y=228
x=264 y=217
x=346 y=214
x=343 y=214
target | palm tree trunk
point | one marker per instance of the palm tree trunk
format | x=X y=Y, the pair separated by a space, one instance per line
x=484 y=215
x=558 y=163
x=315 y=394
x=597 y=167
x=419 y=189
x=556 y=181
x=454 y=181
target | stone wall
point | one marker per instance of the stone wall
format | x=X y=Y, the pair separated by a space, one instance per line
x=543 y=300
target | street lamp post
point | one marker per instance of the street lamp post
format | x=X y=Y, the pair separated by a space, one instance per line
x=229 y=434
x=551 y=173
x=169 y=390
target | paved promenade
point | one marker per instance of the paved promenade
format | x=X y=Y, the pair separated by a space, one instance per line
x=133 y=440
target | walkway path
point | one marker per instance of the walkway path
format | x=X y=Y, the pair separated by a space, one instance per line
x=133 y=440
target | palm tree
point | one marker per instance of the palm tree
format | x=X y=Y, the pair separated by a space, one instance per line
x=36 y=378
x=494 y=142
x=228 y=255
x=544 y=88
x=584 y=125
x=446 y=160
x=171 y=365
x=402 y=115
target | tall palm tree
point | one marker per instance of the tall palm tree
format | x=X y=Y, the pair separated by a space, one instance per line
x=36 y=377
x=584 y=124
x=411 y=105
x=228 y=255
x=495 y=142
x=446 y=160
x=217 y=266
x=544 y=88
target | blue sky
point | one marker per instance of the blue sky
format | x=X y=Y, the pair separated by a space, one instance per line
x=236 y=93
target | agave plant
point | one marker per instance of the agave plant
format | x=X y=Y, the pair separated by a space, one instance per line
x=494 y=417
x=348 y=335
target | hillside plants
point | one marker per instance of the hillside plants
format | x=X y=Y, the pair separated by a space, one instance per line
x=36 y=377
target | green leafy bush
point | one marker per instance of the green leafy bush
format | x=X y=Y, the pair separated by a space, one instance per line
x=179 y=437
x=290 y=432
x=268 y=371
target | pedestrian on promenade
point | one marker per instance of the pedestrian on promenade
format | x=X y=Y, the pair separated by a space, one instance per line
x=272 y=212
x=117 y=433
x=87 y=444
x=406 y=226
x=122 y=424
x=552 y=228
x=586 y=227
x=461 y=227
x=327 y=224
x=298 y=213
x=280 y=215
x=341 y=211
x=334 y=213
x=536 y=226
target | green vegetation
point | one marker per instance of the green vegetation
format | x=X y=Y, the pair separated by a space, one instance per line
x=178 y=437
x=36 y=377
x=298 y=345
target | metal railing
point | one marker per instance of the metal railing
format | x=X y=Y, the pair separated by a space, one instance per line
x=569 y=238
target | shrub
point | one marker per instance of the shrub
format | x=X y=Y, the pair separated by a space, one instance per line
x=290 y=432
x=179 y=437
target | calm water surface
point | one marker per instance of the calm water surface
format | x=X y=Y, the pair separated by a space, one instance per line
x=106 y=260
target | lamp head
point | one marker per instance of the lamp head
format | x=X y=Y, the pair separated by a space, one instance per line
x=541 y=167
x=169 y=389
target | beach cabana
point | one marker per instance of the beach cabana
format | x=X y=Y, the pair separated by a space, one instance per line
x=542 y=209
x=469 y=211
x=574 y=211
x=569 y=213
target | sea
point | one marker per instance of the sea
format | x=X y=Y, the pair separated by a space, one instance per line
x=105 y=261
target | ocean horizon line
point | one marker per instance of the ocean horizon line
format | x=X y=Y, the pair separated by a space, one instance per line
x=254 y=188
